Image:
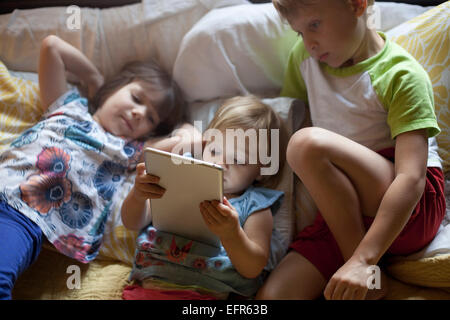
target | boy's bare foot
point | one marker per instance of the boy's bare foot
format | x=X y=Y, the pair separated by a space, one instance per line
x=378 y=294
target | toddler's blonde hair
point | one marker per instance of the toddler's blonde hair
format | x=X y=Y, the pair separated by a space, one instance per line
x=287 y=7
x=249 y=112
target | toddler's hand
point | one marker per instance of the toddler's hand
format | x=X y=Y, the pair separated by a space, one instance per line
x=221 y=218
x=146 y=185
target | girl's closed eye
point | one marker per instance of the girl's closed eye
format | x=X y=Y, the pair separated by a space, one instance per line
x=135 y=98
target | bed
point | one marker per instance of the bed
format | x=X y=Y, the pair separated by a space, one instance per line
x=197 y=40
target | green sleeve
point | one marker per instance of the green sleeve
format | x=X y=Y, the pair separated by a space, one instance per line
x=412 y=104
x=405 y=90
x=294 y=85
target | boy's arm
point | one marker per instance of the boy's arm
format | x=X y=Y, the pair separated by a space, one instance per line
x=411 y=154
x=400 y=199
x=55 y=58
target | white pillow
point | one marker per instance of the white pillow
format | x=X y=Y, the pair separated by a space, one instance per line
x=109 y=37
x=243 y=49
x=393 y=14
x=234 y=51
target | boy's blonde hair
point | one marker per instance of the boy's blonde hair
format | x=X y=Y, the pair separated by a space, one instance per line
x=249 y=112
x=286 y=7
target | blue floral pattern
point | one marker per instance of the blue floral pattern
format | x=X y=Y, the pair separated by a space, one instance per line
x=82 y=139
x=107 y=178
x=29 y=136
x=77 y=213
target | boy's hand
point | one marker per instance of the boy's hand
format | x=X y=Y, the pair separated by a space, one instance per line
x=349 y=282
x=221 y=218
x=146 y=185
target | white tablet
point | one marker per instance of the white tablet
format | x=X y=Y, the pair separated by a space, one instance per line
x=188 y=182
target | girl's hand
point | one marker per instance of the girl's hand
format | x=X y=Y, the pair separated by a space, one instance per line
x=146 y=185
x=221 y=218
x=349 y=282
x=187 y=137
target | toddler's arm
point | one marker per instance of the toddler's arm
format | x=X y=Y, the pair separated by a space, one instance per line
x=55 y=58
x=135 y=211
x=248 y=247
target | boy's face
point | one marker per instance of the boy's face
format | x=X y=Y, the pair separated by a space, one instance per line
x=331 y=30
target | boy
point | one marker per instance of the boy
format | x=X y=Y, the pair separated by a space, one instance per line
x=367 y=162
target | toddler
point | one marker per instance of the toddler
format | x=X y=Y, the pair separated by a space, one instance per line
x=168 y=266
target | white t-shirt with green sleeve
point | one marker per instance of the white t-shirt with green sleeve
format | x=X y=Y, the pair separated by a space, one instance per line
x=370 y=102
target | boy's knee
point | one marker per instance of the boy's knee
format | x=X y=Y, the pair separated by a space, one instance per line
x=304 y=145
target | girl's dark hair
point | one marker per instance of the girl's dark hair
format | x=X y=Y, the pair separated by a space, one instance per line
x=167 y=100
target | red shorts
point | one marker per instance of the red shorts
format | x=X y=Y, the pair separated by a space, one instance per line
x=317 y=244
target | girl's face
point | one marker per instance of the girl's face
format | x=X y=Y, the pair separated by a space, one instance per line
x=128 y=113
x=236 y=177
x=331 y=31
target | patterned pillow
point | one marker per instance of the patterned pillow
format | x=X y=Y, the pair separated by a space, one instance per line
x=20 y=106
x=427 y=38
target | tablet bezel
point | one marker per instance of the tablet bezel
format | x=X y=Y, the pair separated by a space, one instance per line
x=212 y=172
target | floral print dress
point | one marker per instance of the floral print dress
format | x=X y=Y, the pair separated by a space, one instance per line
x=63 y=174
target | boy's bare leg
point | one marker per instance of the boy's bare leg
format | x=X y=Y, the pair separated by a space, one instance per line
x=345 y=179
x=295 y=278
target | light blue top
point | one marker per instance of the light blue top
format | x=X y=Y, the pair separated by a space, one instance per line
x=182 y=261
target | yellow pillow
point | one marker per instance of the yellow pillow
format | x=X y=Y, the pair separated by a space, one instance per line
x=426 y=272
x=20 y=106
x=427 y=38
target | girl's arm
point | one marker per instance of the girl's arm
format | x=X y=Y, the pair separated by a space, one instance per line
x=182 y=139
x=248 y=247
x=135 y=211
x=55 y=58
x=400 y=199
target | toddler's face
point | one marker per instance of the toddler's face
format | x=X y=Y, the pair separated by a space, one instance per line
x=128 y=112
x=331 y=31
x=236 y=177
